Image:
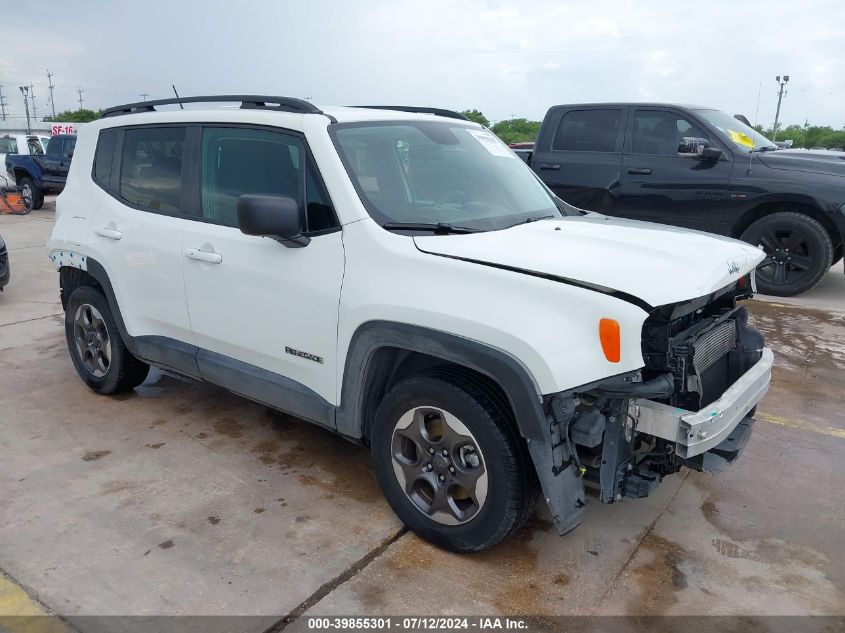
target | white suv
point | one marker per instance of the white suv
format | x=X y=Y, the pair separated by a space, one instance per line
x=399 y=276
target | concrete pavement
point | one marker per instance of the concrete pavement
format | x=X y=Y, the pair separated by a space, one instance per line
x=181 y=499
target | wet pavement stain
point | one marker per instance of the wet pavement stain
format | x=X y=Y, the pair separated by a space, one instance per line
x=259 y=510
x=214 y=519
x=92 y=456
x=158 y=422
x=159 y=445
x=229 y=427
x=166 y=544
x=201 y=436
x=661 y=579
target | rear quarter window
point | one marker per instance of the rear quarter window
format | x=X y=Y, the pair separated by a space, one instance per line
x=8 y=146
x=104 y=158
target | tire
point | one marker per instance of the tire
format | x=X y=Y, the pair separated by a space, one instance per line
x=96 y=349
x=33 y=197
x=799 y=252
x=477 y=487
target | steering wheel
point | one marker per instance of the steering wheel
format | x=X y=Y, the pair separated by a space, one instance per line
x=455 y=195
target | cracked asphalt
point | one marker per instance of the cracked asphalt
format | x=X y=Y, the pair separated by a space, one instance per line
x=178 y=498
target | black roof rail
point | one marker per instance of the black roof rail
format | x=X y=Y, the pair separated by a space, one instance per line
x=451 y=114
x=285 y=104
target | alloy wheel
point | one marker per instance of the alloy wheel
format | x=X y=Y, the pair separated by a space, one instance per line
x=439 y=465
x=788 y=256
x=92 y=340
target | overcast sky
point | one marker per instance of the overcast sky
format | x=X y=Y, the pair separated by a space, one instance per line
x=502 y=57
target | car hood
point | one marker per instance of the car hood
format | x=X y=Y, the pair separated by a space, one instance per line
x=800 y=160
x=654 y=263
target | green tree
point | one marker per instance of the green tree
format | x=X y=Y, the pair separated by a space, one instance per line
x=477 y=116
x=517 y=130
x=76 y=116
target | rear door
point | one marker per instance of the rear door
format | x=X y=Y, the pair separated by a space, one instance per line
x=580 y=158
x=264 y=315
x=661 y=185
x=137 y=235
x=51 y=161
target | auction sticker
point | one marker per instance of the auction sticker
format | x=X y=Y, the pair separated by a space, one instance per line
x=492 y=143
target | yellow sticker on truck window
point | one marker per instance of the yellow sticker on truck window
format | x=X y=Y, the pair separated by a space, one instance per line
x=740 y=139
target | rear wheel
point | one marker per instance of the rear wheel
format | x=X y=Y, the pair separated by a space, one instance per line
x=450 y=463
x=799 y=252
x=96 y=349
x=33 y=197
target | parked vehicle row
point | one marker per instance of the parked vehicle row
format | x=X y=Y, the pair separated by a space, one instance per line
x=700 y=168
x=40 y=174
x=398 y=276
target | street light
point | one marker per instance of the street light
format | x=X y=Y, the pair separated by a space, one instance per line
x=25 y=93
x=780 y=97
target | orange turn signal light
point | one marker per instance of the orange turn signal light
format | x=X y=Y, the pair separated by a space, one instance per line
x=610 y=340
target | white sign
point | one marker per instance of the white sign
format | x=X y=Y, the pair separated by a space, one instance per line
x=63 y=128
x=492 y=143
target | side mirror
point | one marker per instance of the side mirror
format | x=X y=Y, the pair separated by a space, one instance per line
x=694 y=147
x=279 y=217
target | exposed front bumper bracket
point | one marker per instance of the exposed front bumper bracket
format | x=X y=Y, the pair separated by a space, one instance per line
x=695 y=432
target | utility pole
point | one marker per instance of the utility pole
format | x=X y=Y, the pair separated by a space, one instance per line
x=50 y=86
x=80 y=91
x=32 y=98
x=780 y=97
x=144 y=96
x=25 y=92
x=2 y=104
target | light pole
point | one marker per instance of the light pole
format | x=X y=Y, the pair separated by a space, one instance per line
x=780 y=97
x=25 y=93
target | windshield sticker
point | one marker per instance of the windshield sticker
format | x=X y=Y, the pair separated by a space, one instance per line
x=492 y=143
x=740 y=139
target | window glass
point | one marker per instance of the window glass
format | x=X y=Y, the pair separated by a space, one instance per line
x=660 y=132
x=8 y=145
x=151 y=167
x=439 y=171
x=319 y=211
x=70 y=145
x=104 y=156
x=34 y=146
x=237 y=161
x=54 y=147
x=742 y=137
x=588 y=131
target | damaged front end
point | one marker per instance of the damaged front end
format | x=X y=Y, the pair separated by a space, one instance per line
x=691 y=405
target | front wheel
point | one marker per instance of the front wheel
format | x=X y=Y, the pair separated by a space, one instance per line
x=799 y=252
x=96 y=349
x=450 y=463
x=33 y=197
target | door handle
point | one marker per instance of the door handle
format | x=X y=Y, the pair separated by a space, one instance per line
x=554 y=166
x=203 y=256
x=112 y=234
x=642 y=171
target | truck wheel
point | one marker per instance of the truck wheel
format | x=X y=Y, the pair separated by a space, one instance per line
x=450 y=463
x=96 y=349
x=32 y=196
x=798 y=249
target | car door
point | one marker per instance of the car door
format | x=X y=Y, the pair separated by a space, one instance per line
x=51 y=161
x=264 y=315
x=661 y=185
x=581 y=160
x=137 y=236
x=63 y=167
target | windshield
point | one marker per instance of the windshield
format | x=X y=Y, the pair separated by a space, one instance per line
x=8 y=145
x=742 y=136
x=439 y=172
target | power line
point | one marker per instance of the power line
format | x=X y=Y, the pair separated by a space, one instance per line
x=50 y=86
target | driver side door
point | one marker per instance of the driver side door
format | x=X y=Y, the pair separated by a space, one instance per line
x=659 y=185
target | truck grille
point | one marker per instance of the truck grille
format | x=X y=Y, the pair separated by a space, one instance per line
x=710 y=360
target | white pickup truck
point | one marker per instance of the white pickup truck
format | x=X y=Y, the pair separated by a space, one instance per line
x=401 y=277
x=27 y=144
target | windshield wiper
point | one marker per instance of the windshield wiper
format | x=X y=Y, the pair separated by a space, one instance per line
x=435 y=227
x=528 y=220
x=765 y=148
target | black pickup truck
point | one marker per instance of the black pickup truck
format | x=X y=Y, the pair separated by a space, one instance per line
x=47 y=173
x=700 y=168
